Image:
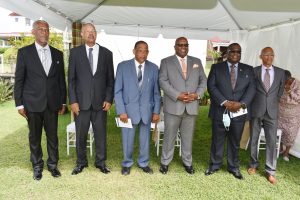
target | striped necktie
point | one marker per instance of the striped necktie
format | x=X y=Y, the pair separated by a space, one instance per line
x=140 y=78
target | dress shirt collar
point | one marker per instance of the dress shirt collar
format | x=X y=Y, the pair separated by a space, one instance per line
x=39 y=47
x=137 y=64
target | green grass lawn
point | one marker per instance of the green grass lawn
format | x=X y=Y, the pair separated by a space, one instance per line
x=17 y=182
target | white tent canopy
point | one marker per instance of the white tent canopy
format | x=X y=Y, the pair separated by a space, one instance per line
x=254 y=24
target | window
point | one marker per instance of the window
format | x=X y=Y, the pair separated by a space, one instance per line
x=27 y=22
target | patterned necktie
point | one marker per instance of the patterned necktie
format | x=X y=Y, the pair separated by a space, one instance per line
x=267 y=80
x=232 y=76
x=44 y=60
x=140 y=75
x=184 y=68
x=91 y=58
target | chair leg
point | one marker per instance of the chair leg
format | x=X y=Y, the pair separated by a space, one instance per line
x=68 y=143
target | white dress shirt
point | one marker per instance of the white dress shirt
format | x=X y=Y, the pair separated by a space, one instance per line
x=48 y=61
x=95 y=53
x=271 y=72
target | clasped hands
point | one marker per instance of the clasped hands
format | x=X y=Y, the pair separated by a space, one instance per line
x=232 y=106
x=187 y=97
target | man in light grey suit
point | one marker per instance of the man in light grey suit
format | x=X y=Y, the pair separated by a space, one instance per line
x=269 y=88
x=137 y=97
x=183 y=81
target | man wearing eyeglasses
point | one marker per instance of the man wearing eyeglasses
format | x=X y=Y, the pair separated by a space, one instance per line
x=231 y=86
x=270 y=82
x=183 y=82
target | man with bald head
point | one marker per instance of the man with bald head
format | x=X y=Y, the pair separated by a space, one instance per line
x=183 y=81
x=91 y=85
x=269 y=88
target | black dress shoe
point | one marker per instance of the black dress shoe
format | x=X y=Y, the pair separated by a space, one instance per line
x=236 y=174
x=78 y=169
x=163 y=169
x=147 y=169
x=125 y=171
x=210 y=171
x=104 y=169
x=189 y=169
x=37 y=174
x=55 y=172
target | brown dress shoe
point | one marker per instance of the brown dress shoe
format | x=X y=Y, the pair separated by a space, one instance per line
x=271 y=179
x=251 y=171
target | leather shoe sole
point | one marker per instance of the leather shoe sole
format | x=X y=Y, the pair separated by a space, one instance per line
x=125 y=171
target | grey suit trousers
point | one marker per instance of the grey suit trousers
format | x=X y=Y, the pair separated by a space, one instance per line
x=186 y=124
x=270 y=129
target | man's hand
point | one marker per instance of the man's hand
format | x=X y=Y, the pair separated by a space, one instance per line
x=155 y=118
x=62 y=110
x=192 y=96
x=106 y=106
x=232 y=106
x=23 y=113
x=124 y=117
x=75 y=108
x=183 y=96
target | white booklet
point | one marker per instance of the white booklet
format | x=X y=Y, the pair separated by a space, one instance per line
x=122 y=124
x=238 y=113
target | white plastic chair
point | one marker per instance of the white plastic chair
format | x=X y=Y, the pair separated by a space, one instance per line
x=160 y=128
x=71 y=138
x=262 y=141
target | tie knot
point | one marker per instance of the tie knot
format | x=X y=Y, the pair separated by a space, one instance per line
x=267 y=70
x=232 y=66
x=140 y=66
x=90 y=49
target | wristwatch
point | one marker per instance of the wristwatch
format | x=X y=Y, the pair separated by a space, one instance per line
x=243 y=105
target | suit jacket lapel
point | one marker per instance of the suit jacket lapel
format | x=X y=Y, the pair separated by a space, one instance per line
x=53 y=60
x=132 y=70
x=189 y=67
x=276 y=79
x=85 y=58
x=146 y=76
x=36 y=59
x=177 y=64
x=227 y=78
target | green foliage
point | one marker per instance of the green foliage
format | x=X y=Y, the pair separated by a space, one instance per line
x=6 y=90
x=2 y=50
x=10 y=55
x=214 y=54
x=205 y=99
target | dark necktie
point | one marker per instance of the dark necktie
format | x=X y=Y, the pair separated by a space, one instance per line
x=91 y=58
x=232 y=76
x=267 y=80
x=140 y=76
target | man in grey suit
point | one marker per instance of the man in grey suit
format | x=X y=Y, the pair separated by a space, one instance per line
x=231 y=86
x=91 y=91
x=183 y=81
x=137 y=97
x=269 y=88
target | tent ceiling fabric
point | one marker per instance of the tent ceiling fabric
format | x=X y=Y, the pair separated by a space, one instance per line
x=195 y=19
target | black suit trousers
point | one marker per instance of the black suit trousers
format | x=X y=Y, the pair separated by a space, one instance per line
x=82 y=123
x=36 y=121
x=219 y=135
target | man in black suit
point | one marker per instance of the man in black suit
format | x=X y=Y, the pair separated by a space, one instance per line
x=91 y=90
x=231 y=86
x=40 y=93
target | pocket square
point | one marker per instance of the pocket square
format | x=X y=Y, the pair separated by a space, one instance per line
x=195 y=66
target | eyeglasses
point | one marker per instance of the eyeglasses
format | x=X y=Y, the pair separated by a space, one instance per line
x=182 y=45
x=237 y=52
